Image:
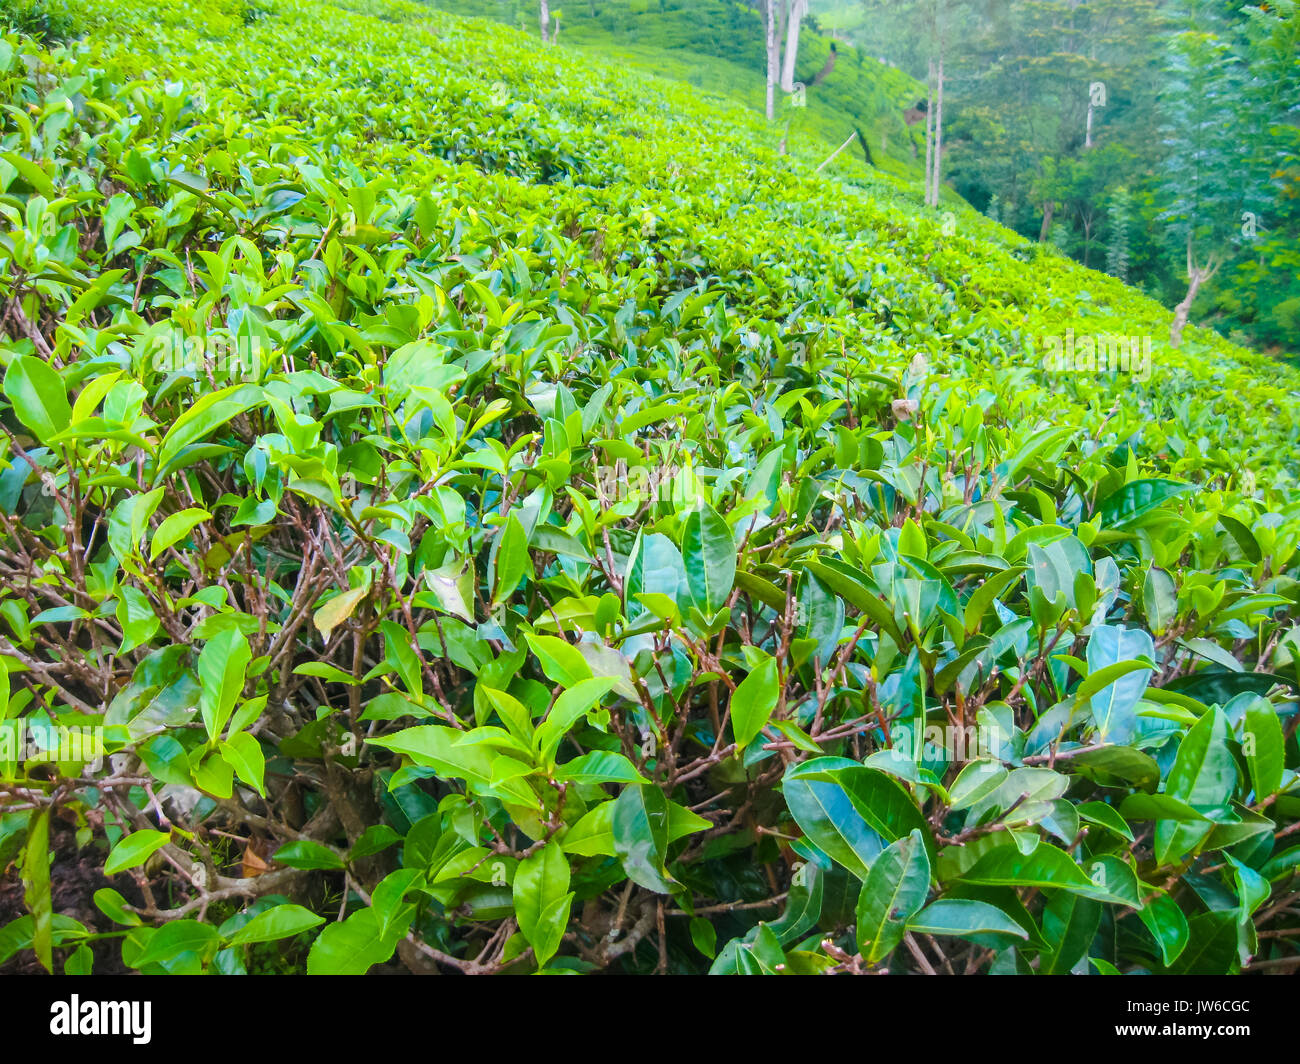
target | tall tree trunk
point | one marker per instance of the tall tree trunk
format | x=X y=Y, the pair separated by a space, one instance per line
x=793 y=21
x=1183 y=309
x=1196 y=276
x=544 y=18
x=938 y=130
x=929 y=132
x=1049 y=208
x=772 y=59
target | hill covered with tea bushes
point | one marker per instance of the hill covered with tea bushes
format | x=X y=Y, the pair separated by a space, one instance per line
x=717 y=48
x=490 y=511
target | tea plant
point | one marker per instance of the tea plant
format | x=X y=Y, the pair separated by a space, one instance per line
x=482 y=511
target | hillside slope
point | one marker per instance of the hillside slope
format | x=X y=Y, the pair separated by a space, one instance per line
x=716 y=46
x=504 y=497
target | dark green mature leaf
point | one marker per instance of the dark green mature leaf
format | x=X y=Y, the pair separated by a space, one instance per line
x=825 y=813
x=1244 y=537
x=965 y=918
x=1159 y=807
x=176 y=938
x=1211 y=946
x=894 y=891
x=1114 y=706
x=1219 y=686
x=851 y=587
x=1069 y=924
x=1136 y=499
x=883 y=802
x=1204 y=773
x=640 y=829
x=982 y=597
x=1168 y=926
x=304 y=853
x=709 y=554
x=1117 y=763
x=511 y=558
x=1262 y=742
x=1107 y=816
x=804 y=902
x=1046 y=866
x=1204 y=776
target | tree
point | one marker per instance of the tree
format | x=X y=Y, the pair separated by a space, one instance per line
x=1207 y=180
x=1022 y=80
x=938 y=128
x=891 y=23
x=798 y=8
x=936 y=11
x=1263 y=291
x=782 y=18
x=773 y=55
x=544 y=18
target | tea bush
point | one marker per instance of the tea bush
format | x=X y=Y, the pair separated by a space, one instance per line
x=476 y=510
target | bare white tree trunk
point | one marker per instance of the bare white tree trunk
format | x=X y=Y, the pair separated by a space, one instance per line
x=938 y=133
x=934 y=104
x=544 y=18
x=929 y=133
x=1196 y=276
x=1184 y=308
x=773 y=58
x=798 y=8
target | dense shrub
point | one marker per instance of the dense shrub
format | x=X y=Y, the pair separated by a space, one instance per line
x=47 y=20
x=491 y=517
